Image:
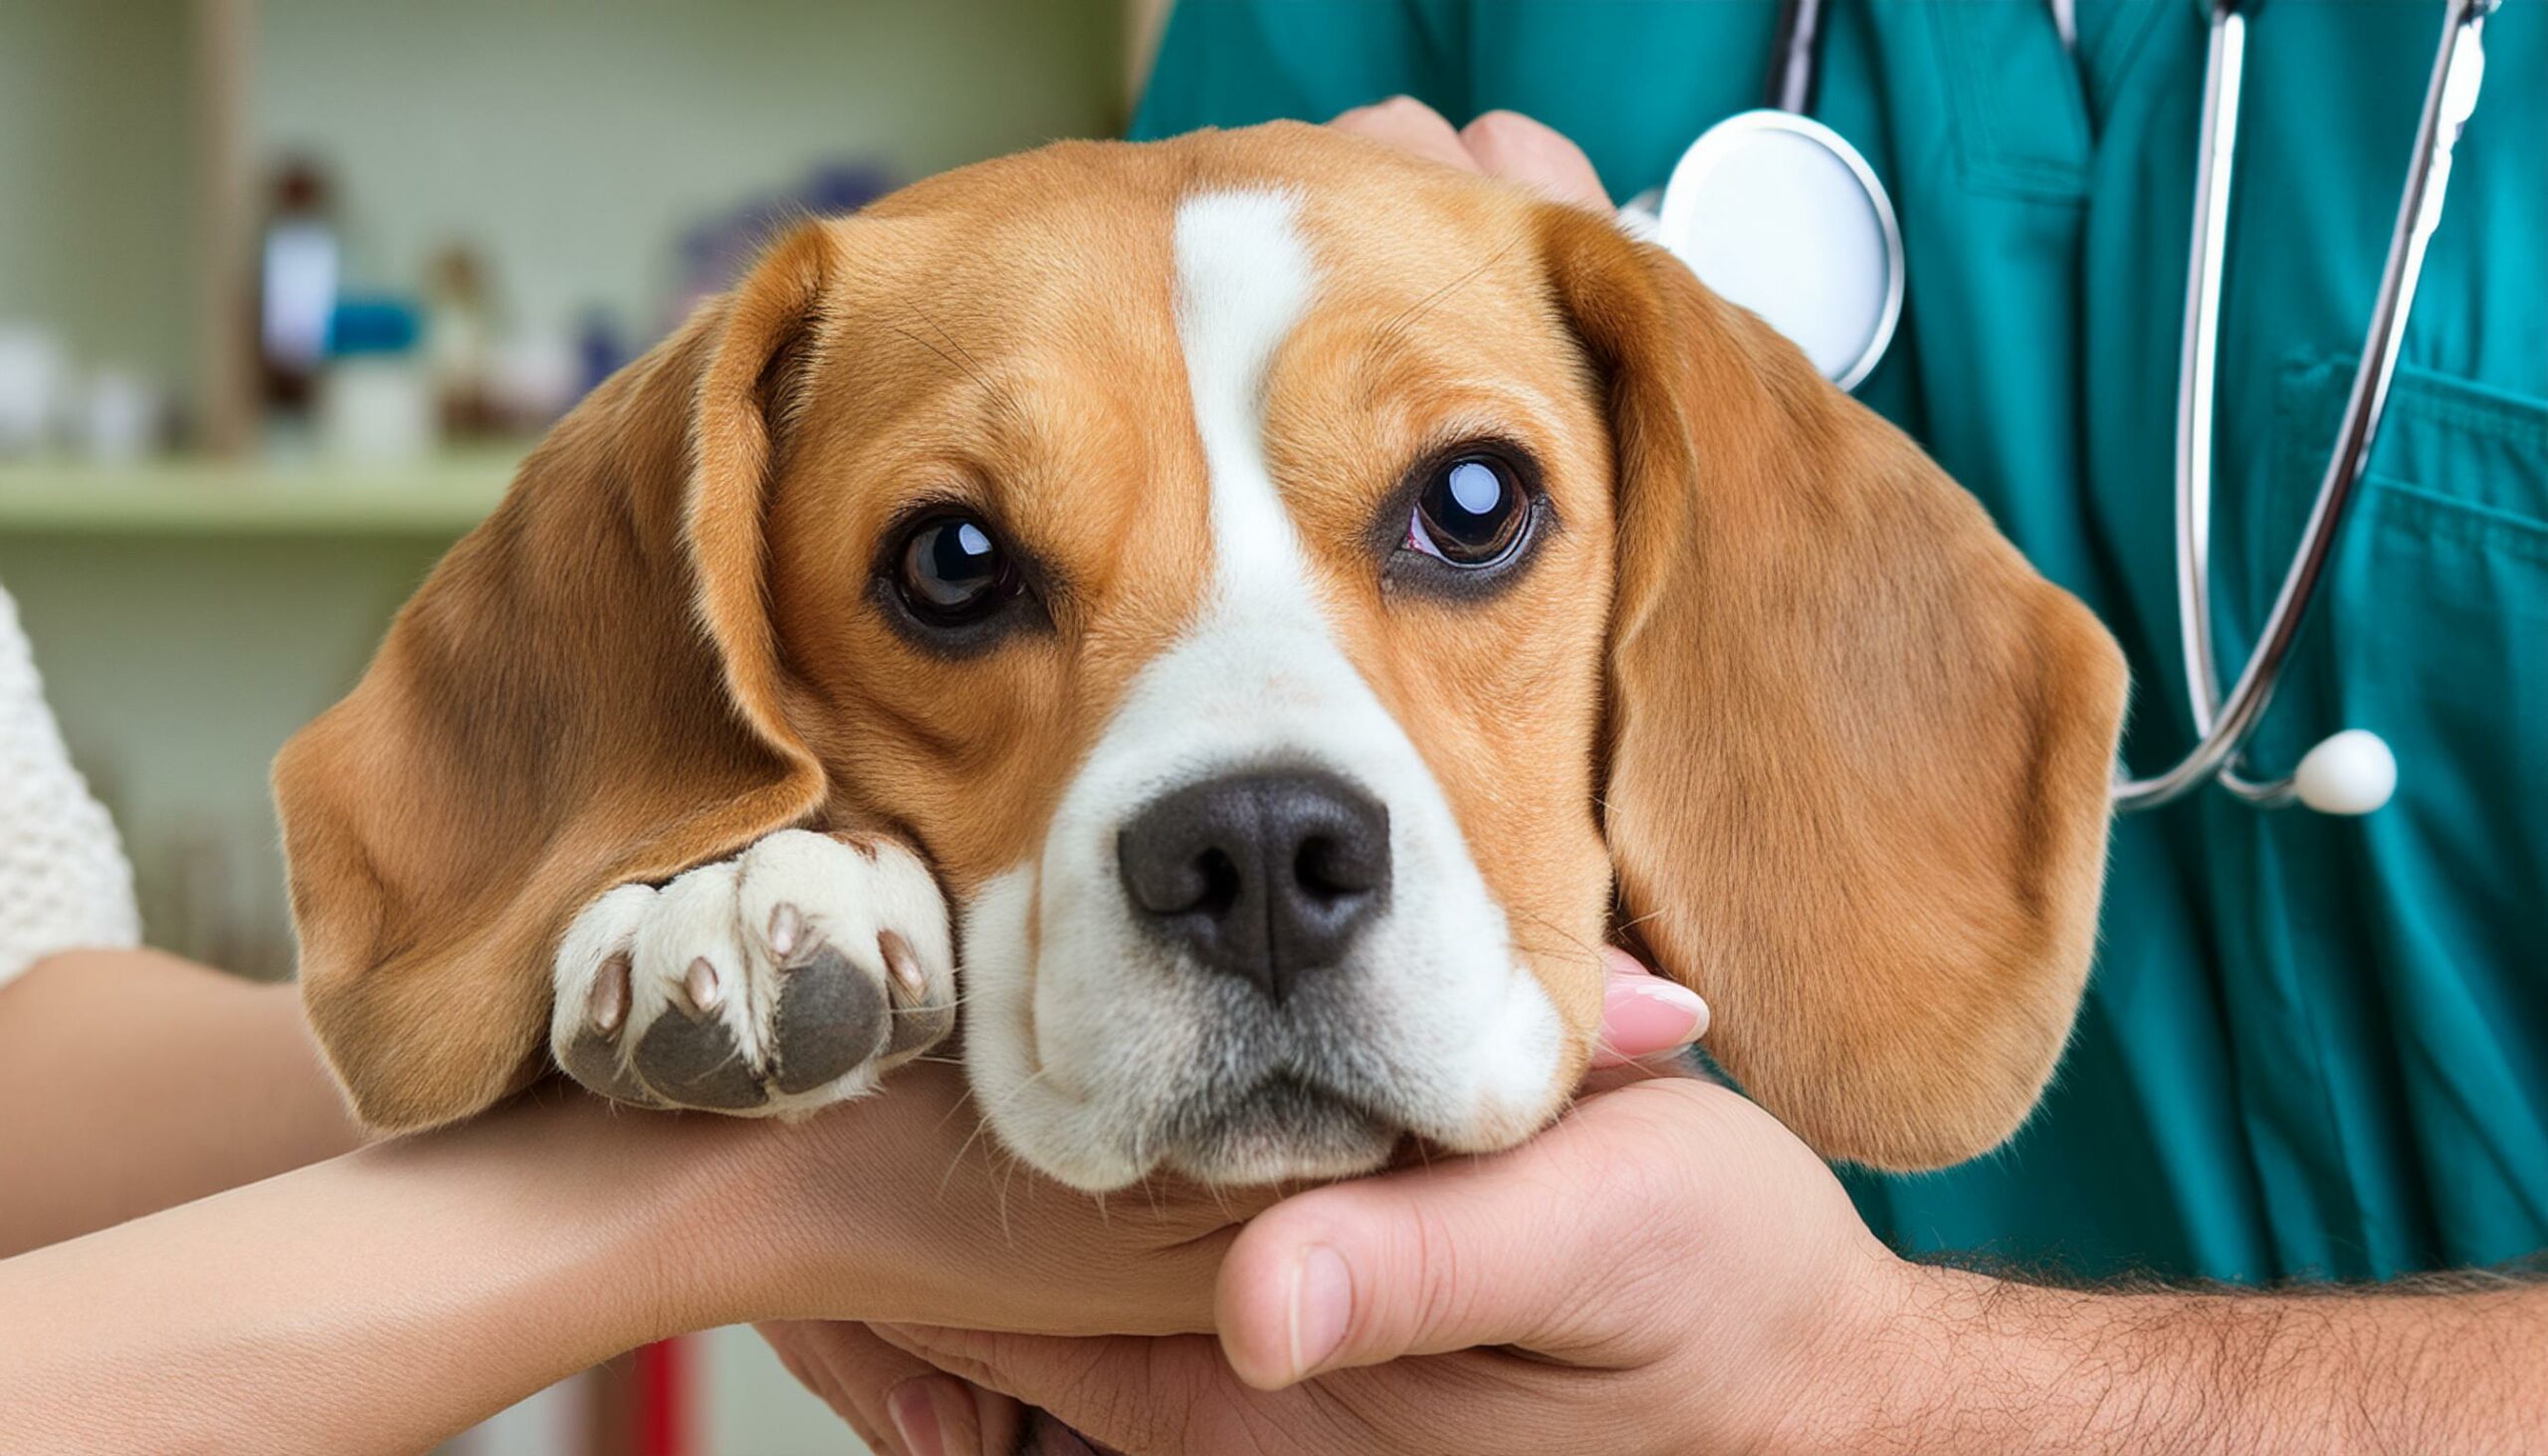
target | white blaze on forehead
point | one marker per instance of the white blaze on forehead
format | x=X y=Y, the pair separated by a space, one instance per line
x=1262 y=675
x=1243 y=281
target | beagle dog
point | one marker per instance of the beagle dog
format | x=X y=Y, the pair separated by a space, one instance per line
x=1275 y=607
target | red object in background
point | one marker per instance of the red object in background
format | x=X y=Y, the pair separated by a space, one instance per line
x=663 y=1400
x=641 y=1404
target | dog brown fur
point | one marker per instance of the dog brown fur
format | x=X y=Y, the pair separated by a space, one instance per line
x=1775 y=686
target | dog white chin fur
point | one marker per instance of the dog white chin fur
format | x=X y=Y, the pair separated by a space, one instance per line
x=1094 y=1052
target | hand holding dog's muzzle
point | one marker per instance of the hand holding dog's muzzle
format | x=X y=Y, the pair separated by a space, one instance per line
x=890 y=1380
x=1667 y=1267
x=904 y=1207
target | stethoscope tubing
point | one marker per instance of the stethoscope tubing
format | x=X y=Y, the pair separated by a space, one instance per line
x=1794 y=59
x=2223 y=725
x=2350 y=772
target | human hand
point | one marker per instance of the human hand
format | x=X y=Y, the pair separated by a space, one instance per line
x=1670 y=1269
x=900 y=1208
x=1503 y=145
x=1631 y=1168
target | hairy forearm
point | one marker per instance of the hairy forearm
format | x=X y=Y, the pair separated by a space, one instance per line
x=376 y=1302
x=1988 y=1364
x=136 y=1081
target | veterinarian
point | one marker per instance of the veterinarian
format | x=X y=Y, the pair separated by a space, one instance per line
x=2315 y=1048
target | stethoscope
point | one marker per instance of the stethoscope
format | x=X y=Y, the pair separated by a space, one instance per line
x=1779 y=212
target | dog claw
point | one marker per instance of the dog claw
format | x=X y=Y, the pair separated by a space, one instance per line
x=748 y=985
x=607 y=1007
x=702 y=986
x=902 y=964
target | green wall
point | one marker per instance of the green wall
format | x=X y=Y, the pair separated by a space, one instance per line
x=94 y=183
x=179 y=666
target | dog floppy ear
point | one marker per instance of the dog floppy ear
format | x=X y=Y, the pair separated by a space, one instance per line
x=584 y=693
x=1858 y=751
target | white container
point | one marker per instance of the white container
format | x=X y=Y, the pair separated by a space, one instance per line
x=30 y=388
x=376 y=409
x=119 y=419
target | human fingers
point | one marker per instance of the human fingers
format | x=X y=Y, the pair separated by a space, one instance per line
x=1120 y=1394
x=899 y=1404
x=1537 y=1247
x=1149 y=1398
x=806 y=1348
x=902 y=1206
x=1645 y=1015
x=1513 y=146
x=1411 y=127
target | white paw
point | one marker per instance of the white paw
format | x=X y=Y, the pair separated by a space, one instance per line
x=791 y=976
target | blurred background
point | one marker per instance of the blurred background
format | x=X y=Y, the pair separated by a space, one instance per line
x=286 y=287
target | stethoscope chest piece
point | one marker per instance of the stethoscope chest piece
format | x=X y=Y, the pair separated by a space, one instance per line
x=1776 y=212
x=2349 y=772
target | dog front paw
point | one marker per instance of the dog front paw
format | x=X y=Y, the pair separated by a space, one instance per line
x=789 y=977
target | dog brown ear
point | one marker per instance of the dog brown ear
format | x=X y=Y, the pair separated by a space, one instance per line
x=584 y=693
x=1858 y=751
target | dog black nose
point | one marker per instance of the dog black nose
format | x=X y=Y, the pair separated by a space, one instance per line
x=1263 y=875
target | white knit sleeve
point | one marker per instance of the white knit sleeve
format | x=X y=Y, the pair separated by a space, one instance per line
x=64 y=883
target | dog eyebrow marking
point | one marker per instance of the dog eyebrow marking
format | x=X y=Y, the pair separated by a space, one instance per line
x=1243 y=280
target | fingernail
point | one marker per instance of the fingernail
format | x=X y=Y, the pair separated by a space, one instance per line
x=1322 y=1306
x=1648 y=1014
x=913 y=1407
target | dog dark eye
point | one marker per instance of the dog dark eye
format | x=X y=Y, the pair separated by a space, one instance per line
x=952 y=570
x=1471 y=512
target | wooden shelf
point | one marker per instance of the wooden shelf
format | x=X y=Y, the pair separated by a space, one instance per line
x=440 y=497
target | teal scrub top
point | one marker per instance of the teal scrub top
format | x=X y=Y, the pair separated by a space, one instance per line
x=2312 y=1047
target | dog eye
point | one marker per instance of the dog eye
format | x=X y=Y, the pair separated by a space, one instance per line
x=952 y=570
x=1471 y=512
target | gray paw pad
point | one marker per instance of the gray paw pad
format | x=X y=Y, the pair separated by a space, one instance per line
x=593 y=1060
x=694 y=1063
x=831 y=1018
x=919 y=1027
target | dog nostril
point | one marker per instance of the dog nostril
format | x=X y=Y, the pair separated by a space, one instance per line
x=1329 y=871
x=1267 y=876
x=1204 y=880
x=1221 y=886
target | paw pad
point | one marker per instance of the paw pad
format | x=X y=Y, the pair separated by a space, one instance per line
x=780 y=980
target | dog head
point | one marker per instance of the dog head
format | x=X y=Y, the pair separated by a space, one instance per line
x=1303 y=601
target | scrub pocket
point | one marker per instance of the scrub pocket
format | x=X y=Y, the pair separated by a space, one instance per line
x=2415 y=940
